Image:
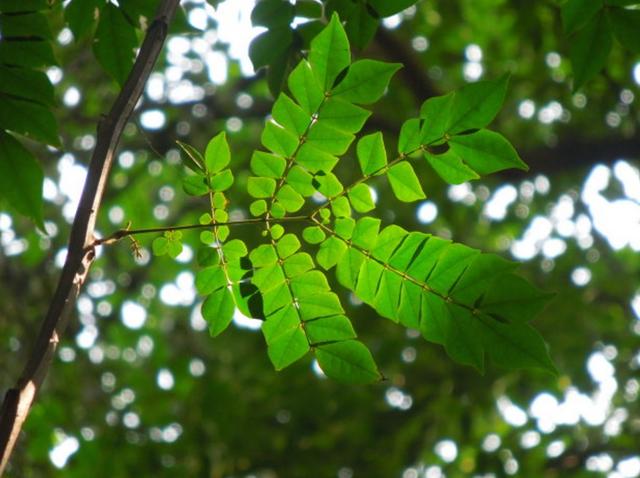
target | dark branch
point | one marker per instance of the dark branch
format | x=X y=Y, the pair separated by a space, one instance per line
x=19 y=399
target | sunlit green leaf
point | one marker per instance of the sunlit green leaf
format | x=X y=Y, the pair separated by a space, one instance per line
x=347 y=361
x=366 y=81
x=404 y=182
x=371 y=153
x=222 y=181
x=261 y=187
x=451 y=167
x=217 y=155
x=330 y=53
x=486 y=152
x=313 y=234
x=217 y=310
x=360 y=197
x=267 y=165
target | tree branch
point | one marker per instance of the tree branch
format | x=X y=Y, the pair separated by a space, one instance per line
x=80 y=255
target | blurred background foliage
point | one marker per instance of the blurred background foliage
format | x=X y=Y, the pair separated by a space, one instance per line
x=138 y=386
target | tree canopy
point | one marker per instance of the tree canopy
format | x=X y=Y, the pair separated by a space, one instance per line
x=360 y=238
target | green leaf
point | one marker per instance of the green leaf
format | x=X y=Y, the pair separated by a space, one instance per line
x=590 y=49
x=280 y=322
x=297 y=264
x=305 y=88
x=222 y=181
x=301 y=181
x=366 y=232
x=341 y=207
x=342 y=115
x=626 y=25
x=451 y=167
x=267 y=165
x=278 y=140
x=486 y=152
x=348 y=361
x=405 y=183
x=576 y=13
x=159 y=246
x=81 y=15
x=26 y=24
x=360 y=197
x=475 y=105
x=308 y=9
x=21 y=179
x=290 y=116
x=516 y=346
x=513 y=299
x=360 y=25
x=195 y=185
x=210 y=279
x=115 y=41
x=258 y=208
x=207 y=256
x=366 y=81
x=436 y=112
x=290 y=199
x=329 y=185
x=217 y=310
x=387 y=242
x=330 y=252
x=317 y=304
x=287 y=245
x=217 y=155
x=17 y=6
x=288 y=348
x=469 y=302
x=261 y=187
x=195 y=161
x=372 y=155
x=326 y=138
x=277 y=231
x=272 y=13
x=234 y=249
x=315 y=159
x=271 y=46
x=344 y=227
x=329 y=329
x=313 y=234
x=277 y=210
x=329 y=53
x=29 y=119
x=410 y=137
x=174 y=248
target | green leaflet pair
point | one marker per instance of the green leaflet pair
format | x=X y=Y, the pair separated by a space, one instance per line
x=471 y=303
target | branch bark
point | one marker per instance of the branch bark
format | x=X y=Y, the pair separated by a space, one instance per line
x=81 y=252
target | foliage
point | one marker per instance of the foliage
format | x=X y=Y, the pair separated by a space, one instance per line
x=320 y=236
x=469 y=302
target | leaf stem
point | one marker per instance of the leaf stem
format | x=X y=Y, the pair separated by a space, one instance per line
x=365 y=178
x=122 y=233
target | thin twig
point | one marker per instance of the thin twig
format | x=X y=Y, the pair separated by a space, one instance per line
x=122 y=233
x=80 y=255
